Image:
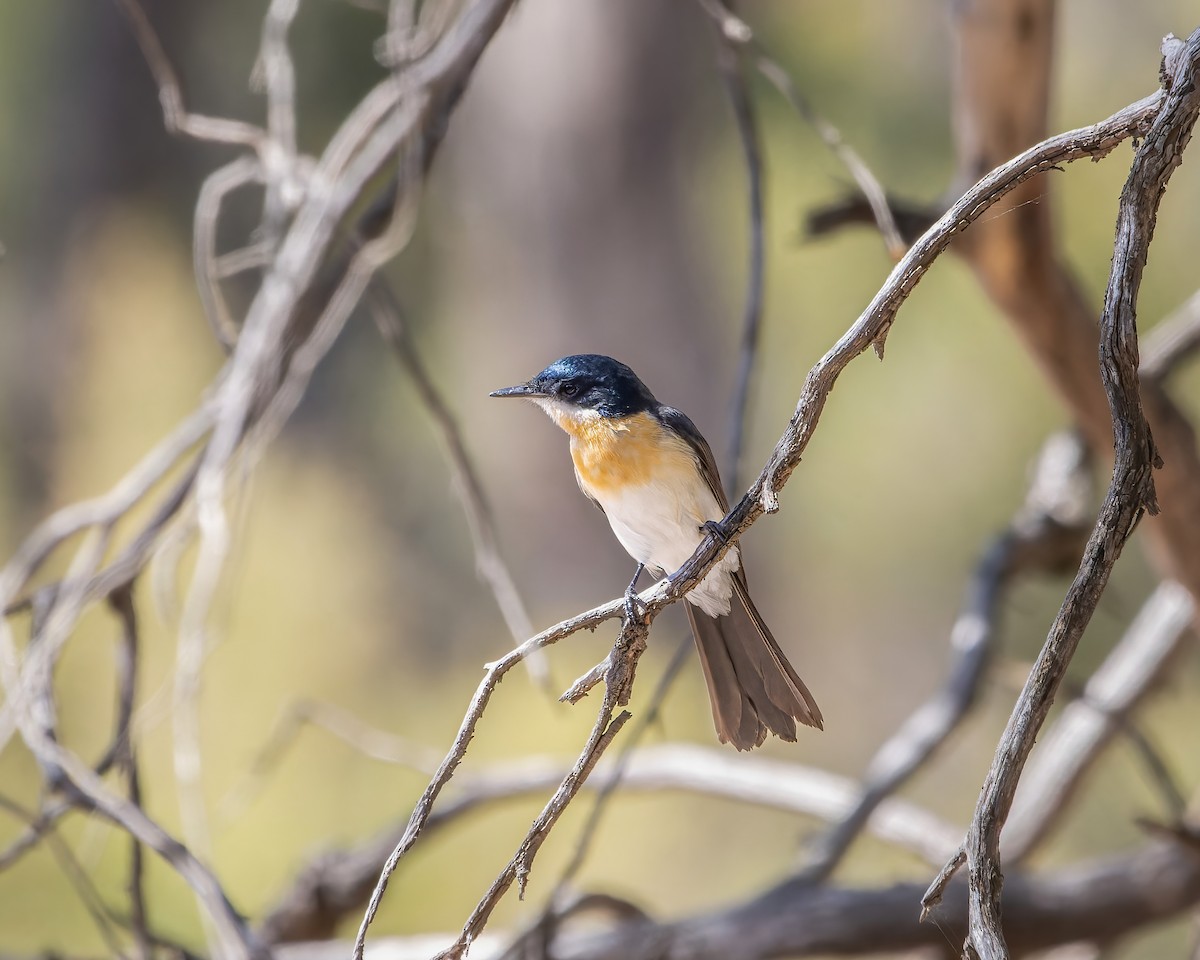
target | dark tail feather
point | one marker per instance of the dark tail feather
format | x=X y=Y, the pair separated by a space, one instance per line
x=751 y=685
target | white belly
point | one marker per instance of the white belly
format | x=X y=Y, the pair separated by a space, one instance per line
x=660 y=528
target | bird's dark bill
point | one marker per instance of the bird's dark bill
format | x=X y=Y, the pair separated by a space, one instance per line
x=520 y=390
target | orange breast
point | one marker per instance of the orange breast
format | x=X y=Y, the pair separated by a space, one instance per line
x=610 y=455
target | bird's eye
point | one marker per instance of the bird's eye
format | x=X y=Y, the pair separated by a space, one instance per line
x=569 y=389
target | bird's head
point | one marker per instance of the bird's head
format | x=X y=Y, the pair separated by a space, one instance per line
x=585 y=386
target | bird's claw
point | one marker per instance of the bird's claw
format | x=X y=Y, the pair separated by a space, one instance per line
x=635 y=606
x=716 y=528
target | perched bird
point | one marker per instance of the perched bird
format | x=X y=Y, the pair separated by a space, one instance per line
x=652 y=473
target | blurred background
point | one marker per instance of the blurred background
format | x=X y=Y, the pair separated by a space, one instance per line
x=590 y=198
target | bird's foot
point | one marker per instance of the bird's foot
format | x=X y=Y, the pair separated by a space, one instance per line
x=632 y=601
x=716 y=528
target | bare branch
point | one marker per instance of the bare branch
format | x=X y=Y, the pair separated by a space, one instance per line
x=1130 y=493
x=274 y=73
x=1173 y=799
x=519 y=867
x=100 y=511
x=36 y=828
x=870 y=186
x=912 y=219
x=265 y=378
x=412 y=29
x=875 y=322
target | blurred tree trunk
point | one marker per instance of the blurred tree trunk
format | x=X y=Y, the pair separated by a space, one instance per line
x=1003 y=68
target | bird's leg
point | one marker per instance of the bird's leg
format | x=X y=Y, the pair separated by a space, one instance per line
x=631 y=598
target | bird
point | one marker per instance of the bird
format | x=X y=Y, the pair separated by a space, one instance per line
x=653 y=474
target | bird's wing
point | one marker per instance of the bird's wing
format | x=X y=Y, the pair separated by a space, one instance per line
x=682 y=424
x=679 y=422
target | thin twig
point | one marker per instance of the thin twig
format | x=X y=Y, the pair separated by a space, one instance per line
x=483 y=694
x=412 y=30
x=832 y=138
x=559 y=906
x=121 y=603
x=733 y=77
x=518 y=869
x=362 y=737
x=911 y=218
x=738 y=32
x=99 y=511
x=873 y=324
x=35 y=829
x=489 y=562
x=1173 y=798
